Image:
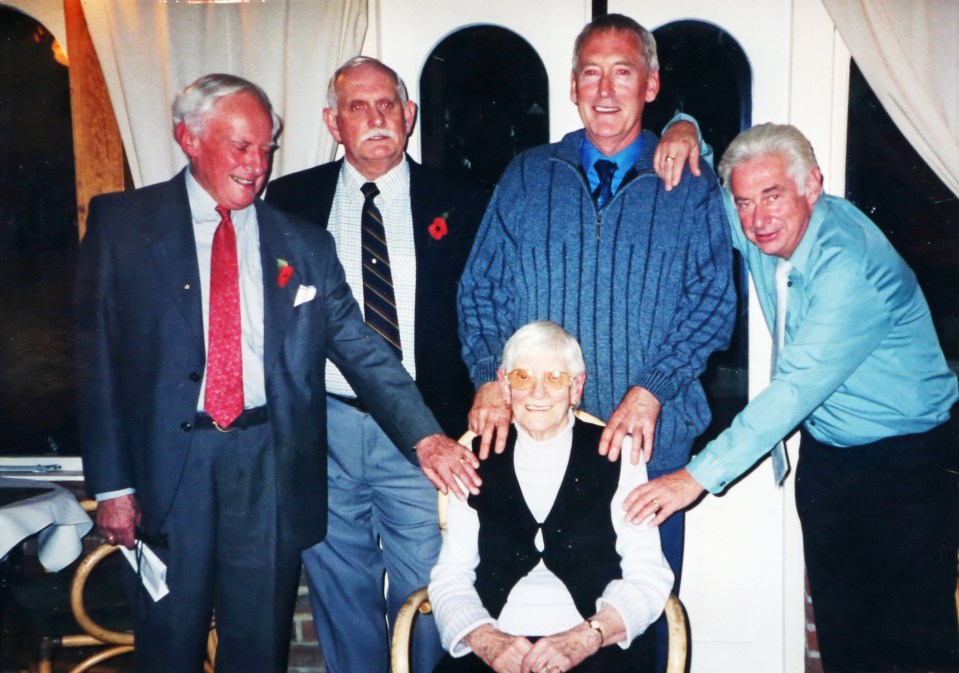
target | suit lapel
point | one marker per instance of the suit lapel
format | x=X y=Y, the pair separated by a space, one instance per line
x=326 y=192
x=169 y=233
x=421 y=201
x=277 y=301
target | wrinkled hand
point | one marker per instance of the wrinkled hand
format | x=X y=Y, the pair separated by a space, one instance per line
x=117 y=519
x=636 y=415
x=663 y=497
x=560 y=652
x=489 y=417
x=501 y=651
x=443 y=461
x=679 y=143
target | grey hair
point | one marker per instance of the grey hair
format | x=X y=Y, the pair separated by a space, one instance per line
x=195 y=101
x=355 y=62
x=543 y=336
x=766 y=139
x=618 y=22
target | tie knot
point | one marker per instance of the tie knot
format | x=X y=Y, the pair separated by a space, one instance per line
x=369 y=190
x=605 y=169
x=224 y=213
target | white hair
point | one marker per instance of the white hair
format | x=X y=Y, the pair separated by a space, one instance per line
x=771 y=139
x=193 y=104
x=355 y=62
x=543 y=336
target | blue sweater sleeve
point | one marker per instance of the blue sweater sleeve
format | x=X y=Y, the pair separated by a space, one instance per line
x=486 y=314
x=707 y=311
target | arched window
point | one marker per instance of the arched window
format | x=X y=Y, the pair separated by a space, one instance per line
x=704 y=73
x=38 y=242
x=484 y=98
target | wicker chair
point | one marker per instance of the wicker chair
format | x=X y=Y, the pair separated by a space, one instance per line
x=418 y=603
x=99 y=620
x=61 y=616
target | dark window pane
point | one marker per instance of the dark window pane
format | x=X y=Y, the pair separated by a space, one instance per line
x=890 y=183
x=704 y=73
x=484 y=98
x=38 y=242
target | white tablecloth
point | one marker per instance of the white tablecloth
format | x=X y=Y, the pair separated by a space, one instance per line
x=54 y=514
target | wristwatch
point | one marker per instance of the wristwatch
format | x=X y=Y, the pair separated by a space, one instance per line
x=597 y=626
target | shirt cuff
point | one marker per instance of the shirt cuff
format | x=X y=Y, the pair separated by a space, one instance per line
x=110 y=495
x=636 y=615
x=708 y=470
x=459 y=648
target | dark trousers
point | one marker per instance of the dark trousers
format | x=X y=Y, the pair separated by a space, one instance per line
x=672 y=533
x=225 y=554
x=880 y=533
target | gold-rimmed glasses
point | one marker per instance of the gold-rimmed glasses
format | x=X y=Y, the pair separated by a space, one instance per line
x=525 y=379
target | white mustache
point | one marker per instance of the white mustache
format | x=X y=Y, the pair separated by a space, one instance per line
x=379 y=133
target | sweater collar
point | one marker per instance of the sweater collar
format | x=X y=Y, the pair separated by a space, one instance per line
x=567 y=150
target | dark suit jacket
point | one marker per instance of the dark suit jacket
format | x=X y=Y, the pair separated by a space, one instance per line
x=440 y=373
x=141 y=353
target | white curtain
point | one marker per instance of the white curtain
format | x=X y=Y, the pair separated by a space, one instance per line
x=908 y=51
x=150 y=49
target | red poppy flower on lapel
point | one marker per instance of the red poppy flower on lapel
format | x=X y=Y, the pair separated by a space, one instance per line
x=438 y=228
x=286 y=272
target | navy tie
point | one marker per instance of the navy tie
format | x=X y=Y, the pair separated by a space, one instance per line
x=606 y=170
x=379 y=301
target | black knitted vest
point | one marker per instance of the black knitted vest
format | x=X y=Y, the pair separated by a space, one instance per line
x=578 y=537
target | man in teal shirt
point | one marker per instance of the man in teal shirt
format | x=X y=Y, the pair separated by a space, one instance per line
x=861 y=372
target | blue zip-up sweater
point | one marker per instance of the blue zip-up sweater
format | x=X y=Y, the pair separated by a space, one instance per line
x=645 y=283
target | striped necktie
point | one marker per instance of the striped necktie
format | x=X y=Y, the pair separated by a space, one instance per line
x=379 y=301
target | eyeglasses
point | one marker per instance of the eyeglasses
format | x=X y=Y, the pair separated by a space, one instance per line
x=525 y=379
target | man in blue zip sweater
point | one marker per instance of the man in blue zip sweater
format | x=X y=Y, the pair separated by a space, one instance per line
x=583 y=232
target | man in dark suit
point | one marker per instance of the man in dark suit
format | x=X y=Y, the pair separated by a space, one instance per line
x=383 y=513
x=204 y=319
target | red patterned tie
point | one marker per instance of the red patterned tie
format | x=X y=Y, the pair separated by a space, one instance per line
x=224 y=362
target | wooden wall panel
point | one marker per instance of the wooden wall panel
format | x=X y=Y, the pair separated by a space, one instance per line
x=97 y=147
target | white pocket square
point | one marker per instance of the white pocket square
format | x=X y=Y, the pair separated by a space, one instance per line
x=304 y=293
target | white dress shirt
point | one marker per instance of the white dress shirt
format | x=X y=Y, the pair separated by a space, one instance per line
x=205 y=222
x=393 y=202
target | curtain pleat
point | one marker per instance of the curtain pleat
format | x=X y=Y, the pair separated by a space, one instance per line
x=150 y=49
x=908 y=51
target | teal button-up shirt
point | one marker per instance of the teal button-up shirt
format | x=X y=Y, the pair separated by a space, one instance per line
x=861 y=360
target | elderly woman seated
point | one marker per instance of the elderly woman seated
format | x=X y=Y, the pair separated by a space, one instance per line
x=540 y=572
